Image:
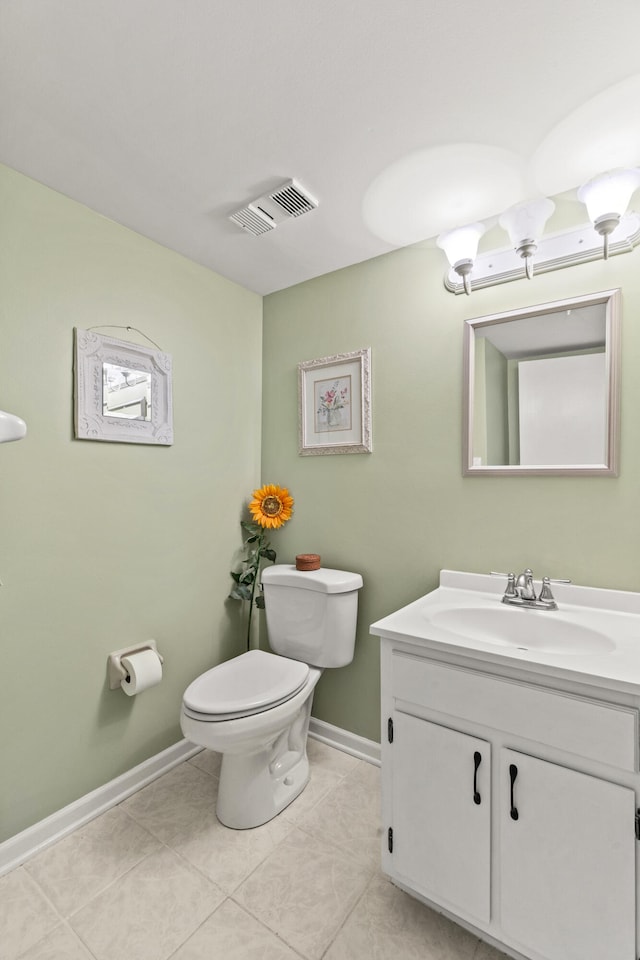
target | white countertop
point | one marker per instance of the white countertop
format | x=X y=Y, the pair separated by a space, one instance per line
x=599 y=629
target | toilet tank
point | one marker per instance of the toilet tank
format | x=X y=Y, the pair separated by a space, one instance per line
x=311 y=614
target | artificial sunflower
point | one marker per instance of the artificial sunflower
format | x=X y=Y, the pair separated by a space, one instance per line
x=271 y=506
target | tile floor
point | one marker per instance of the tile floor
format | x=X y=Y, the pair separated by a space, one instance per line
x=158 y=877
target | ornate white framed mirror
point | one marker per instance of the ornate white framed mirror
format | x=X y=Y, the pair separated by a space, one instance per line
x=541 y=389
x=122 y=391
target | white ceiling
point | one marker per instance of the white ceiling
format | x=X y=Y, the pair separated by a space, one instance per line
x=166 y=115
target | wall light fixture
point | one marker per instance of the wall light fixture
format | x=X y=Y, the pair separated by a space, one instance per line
x=461 y=248
x=11 y=427
x=525 y=224
x=606 y=198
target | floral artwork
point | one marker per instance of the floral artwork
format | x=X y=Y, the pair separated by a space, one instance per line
x=333 y=404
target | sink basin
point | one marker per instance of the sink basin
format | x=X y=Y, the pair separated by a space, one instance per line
x=521 y=629
x=593 y=636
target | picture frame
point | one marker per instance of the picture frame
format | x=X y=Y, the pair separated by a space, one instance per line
x=334 y=404
x=122 y=391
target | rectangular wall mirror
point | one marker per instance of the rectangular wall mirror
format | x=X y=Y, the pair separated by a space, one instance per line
x=122 y=391
x=541 y=389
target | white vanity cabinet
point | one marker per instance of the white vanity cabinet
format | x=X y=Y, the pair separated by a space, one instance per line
x=567 y=865
x=510 y=801
x=449 y=861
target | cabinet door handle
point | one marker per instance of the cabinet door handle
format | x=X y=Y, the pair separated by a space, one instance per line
x=477 y=760
x=513 y=773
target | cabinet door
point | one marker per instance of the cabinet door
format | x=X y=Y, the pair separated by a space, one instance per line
x=441 y=814
x=567 y=862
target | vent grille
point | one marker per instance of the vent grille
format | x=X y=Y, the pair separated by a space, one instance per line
x=292 y=199
x=252 y=221
x=264 y=213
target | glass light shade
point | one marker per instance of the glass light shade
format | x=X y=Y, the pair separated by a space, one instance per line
x=11 y=427
x=609 y=194
x=462 y=243
x=525 y=222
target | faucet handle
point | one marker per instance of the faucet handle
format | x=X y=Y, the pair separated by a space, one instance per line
x=510 y=590
x=545 y=592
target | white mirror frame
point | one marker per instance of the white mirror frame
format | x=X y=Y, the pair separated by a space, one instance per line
x=610 y=468
x=92 y=351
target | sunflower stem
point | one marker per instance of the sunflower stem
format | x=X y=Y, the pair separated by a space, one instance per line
x=256 y=568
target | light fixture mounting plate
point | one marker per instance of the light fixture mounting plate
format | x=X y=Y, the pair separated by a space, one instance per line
x=555 y=251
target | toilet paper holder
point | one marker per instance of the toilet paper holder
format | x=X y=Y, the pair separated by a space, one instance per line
x=116 y=672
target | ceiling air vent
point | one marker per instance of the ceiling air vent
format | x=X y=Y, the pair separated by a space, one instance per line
x=293 y=200
x=252 y=221
x=266 y=212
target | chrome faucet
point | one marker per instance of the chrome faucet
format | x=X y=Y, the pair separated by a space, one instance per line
x=524 y=586
x=521 y=592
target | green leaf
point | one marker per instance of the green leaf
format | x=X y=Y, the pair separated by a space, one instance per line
x=268 y=554
x=236 y=576
x=248 y=576
x=251 y=526
x=260 y=602
x=251 y=540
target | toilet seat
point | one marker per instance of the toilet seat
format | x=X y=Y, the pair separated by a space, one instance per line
x=251 y=683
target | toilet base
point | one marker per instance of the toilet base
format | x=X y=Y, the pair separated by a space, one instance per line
x=264 y=757
x=255 y=787
x=250 y=795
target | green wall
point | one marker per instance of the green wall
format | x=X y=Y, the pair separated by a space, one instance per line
x=404 y=512
x=108 y=544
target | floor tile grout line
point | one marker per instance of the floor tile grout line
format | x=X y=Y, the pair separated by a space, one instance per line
x=367 y=886
x=199 y=927
x=127 y=872
x=315 y=803
x=273 y=933
x=82 y=941
x=351 y=858
x=168 y=844
x=100 y=893
x=201 y=769
x=202 y=873
x=346 y=859
x=43 y=894
x=66 y=920
x=322 y=797
x=67 y=917
x=64 y=923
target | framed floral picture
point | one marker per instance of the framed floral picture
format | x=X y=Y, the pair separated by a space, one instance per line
x=334 y=404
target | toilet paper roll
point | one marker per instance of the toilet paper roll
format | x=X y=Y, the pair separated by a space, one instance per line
x=144 y=670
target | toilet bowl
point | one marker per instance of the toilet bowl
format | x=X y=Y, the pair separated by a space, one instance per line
x=264 y=762
x=255 y=709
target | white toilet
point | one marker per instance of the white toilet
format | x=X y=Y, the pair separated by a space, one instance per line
x=255 y=709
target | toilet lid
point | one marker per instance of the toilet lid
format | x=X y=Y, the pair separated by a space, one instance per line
x=254 y=681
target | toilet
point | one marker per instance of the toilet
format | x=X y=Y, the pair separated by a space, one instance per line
x=255 y=709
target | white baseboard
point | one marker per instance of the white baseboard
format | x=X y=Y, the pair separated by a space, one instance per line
x=343 y=740
x=41 y=835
